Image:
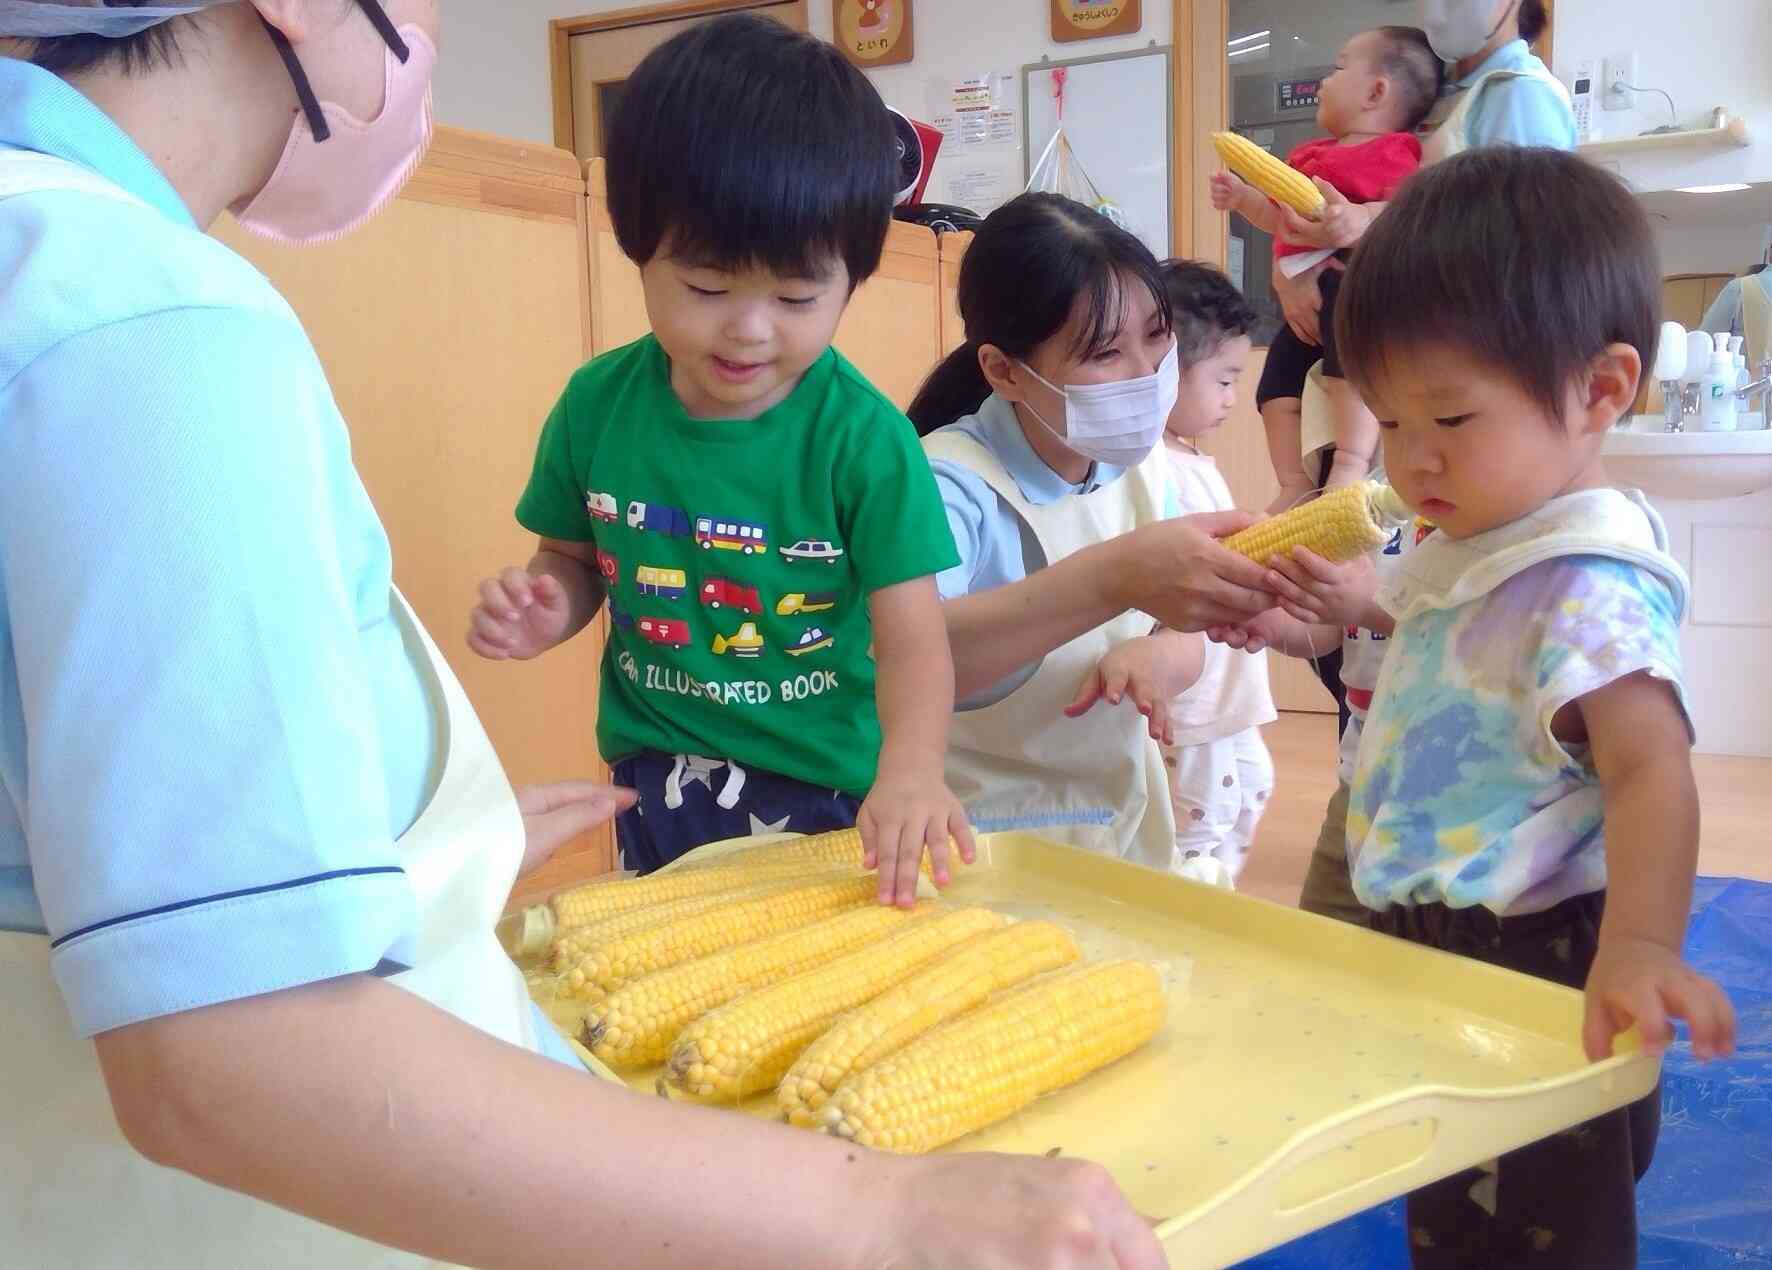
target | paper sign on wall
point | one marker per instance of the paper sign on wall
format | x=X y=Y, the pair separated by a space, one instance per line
x=980 y=112
x=982 y=188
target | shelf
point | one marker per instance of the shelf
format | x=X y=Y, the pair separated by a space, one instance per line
x=1734 y=134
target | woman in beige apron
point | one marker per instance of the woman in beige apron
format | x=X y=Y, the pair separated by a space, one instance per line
x=408 y=1104
x=1744 y=308
x=1043 y=431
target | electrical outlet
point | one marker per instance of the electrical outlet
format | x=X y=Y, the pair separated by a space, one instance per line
x=1620 y=69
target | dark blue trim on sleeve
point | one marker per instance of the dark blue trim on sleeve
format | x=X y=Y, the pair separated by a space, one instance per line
x=228 y=895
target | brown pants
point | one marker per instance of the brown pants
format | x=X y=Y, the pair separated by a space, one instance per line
x=1328 y=884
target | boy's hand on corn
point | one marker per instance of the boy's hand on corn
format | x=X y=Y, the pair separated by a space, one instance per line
x=1152 y=671
x=1641 y=982
x=520 y=615
x=1319 y=593
x=907 y=810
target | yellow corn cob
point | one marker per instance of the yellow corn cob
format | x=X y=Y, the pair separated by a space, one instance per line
x=982 y=965
x=748 y=1044
x=994 y=1061
x=740 y=884
x=1342 y=524
x=592 y=903
x=1274 y=177
x=636 y=1025
x=838 y=847
x=607 y=965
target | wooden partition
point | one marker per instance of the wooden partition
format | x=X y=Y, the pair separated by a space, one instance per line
x=447 y=327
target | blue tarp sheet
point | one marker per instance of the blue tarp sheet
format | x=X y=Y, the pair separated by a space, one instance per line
x=1707 y=1202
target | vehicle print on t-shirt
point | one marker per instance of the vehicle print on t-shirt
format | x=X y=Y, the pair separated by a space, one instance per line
x=601 y=506
x=813 y=549
x=805 y=602
x=811 y=642
x=666 y=584
x=744 y=642
x=725 y=593
x=731 y=535
x=670 y=631
x=672 y=522
x=608 y=566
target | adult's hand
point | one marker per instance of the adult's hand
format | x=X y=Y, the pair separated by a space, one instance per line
x=1302 y=301
x=992 y=1212
x=1339 y=224
x=1178 y=572
x=555 y=814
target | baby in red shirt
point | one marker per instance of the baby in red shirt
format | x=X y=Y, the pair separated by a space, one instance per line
x=1384 y=83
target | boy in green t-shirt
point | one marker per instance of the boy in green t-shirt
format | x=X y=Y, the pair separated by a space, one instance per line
x=759 y=518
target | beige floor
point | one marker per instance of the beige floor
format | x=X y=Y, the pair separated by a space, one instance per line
x=1734 y=795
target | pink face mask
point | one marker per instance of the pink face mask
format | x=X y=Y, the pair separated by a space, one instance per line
x=337 y=170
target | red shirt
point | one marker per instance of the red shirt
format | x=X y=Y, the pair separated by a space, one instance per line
x=1369 y=172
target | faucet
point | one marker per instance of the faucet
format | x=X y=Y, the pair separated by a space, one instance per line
x=1760 y=388
x=1679 y=403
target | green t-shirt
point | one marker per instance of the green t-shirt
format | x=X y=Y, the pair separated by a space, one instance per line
x=740 y=555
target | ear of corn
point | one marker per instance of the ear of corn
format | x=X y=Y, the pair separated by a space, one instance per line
x=739 y=885
x=748 y=1044
x=992 y=1062
x=609 y=964
x=961 y=980
x=838 y=847
x=1275 y=178
x=636 y=1025
x=595 y=901
x=1342 y=524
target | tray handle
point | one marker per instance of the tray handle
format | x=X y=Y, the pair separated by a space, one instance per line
x=1466 y=1128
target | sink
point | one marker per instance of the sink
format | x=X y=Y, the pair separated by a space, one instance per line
x=1688 y=465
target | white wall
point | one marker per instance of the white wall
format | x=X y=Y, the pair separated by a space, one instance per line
x=493 y=72
x=981 y=37
x=1713 y=53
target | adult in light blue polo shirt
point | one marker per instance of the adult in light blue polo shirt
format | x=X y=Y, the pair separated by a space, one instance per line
x=219 y=737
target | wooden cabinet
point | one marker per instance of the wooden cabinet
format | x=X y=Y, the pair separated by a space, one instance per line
x=447 y=327
x=891 y=330
x=953 y=329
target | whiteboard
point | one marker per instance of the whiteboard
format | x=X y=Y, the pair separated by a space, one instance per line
x=1117 y=116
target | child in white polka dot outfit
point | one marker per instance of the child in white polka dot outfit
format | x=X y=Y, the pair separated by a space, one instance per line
x=1220 y=774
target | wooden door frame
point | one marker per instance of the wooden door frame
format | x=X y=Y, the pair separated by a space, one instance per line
x=561 y=31
x=1202 y=107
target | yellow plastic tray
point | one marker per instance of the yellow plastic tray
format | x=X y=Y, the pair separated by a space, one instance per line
x=1308 y=1069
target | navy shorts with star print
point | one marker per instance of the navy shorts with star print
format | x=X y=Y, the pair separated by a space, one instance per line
x=687 y=801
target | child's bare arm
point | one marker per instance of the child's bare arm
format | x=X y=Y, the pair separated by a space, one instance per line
x=910 y=805
x=1230 y=193
x=522 y=613
x=1642 y=753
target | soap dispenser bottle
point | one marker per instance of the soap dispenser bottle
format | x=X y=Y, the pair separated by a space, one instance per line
x=1716 y=391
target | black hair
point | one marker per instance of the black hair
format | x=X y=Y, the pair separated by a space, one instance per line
x=1205 y=308
x=136 y=54
x=741 y=143
x=1529 y=260
x=1036 y=261
x=1534 y=17
x=1409 y=62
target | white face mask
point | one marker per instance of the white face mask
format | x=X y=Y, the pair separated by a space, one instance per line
x=1458 y=29
x=1117 y=423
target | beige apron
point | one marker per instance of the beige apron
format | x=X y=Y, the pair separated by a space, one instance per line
x=1756 y=322
x=1098 y=781
x=75 y=1194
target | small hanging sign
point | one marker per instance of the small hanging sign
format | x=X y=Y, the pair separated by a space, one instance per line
x=1092 y=19
x=873 y=32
